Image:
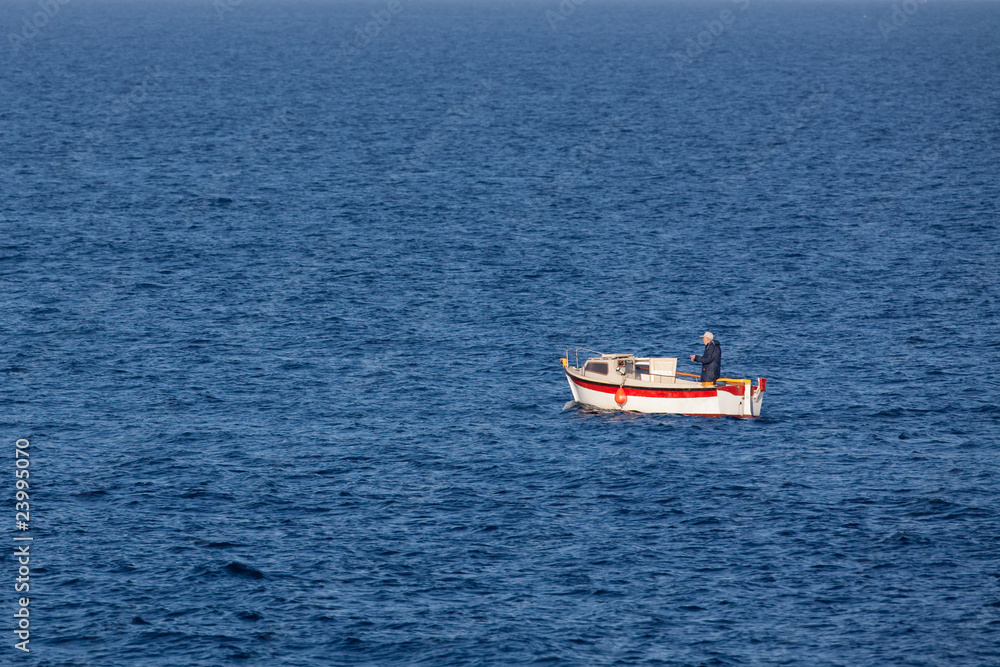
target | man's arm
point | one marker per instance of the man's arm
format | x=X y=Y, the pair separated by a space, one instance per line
x=711 y=354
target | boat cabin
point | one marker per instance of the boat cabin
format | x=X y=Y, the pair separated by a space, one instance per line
x=616 y=366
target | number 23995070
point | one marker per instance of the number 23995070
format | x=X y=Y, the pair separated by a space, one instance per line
x=21 y=462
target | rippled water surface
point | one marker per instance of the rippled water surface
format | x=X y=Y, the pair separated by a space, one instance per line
x=284 y=302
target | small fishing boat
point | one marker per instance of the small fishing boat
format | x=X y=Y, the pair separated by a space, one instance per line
x=651 y=384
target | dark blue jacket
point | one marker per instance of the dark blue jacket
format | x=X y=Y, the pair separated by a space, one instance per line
x=711 y=362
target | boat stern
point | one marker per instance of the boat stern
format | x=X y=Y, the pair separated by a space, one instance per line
x=756 y=397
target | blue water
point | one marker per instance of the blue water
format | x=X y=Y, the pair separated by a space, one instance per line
x=283 y=309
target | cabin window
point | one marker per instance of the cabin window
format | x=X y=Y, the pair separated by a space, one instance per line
x=597 y=367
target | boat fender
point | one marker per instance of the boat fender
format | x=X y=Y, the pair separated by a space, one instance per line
x=620 y=396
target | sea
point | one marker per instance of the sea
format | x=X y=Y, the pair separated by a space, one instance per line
x=286 y=285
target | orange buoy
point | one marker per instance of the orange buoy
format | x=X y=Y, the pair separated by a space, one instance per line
x=620 y=396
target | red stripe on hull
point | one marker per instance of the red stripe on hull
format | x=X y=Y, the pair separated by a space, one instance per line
x=653 y=393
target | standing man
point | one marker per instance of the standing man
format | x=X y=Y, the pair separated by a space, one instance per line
x=711 y=359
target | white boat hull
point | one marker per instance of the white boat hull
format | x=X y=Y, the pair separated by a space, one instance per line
x=687 y=398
